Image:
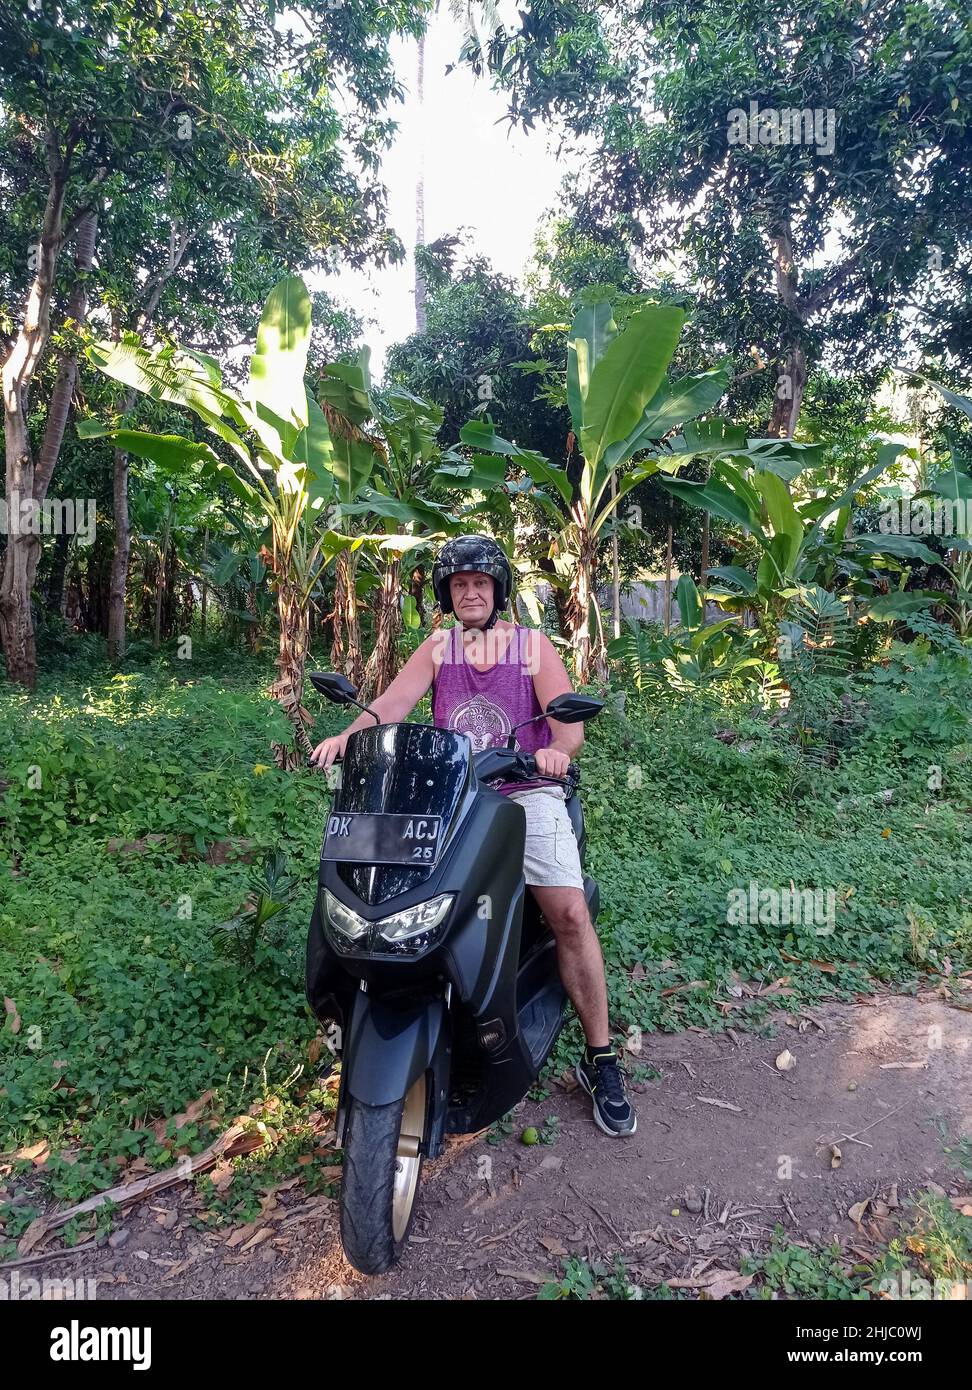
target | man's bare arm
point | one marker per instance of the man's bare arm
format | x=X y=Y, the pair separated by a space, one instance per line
x=551 y=679
x=392 y=705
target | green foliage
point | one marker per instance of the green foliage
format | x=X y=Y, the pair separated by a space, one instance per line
x=793 y=1271
x=637 y=652
x=720 y=655
x=270 y=892
x=550 y=1130
x=155 y=801
x=695 y=656
x=128 y=852
x=649 y=95
x=582 y=1282
x=815 y=656
x=798 y=536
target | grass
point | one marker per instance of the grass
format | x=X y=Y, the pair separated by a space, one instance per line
x=931 y=1258
x=124 y=1007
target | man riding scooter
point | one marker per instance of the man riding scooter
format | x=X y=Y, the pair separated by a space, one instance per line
x=487 y=676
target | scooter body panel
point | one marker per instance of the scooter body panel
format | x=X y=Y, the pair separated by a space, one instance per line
x=479 y=1009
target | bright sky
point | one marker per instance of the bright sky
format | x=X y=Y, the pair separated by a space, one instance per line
x=479 y=175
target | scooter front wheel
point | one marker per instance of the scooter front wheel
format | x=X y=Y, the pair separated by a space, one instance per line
x=382 y=1166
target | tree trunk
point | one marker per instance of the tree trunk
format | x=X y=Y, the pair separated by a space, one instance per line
x=72 y=608
x=381 y=668
x=23 y=546
x=188 y=601
x=121 y=553
x=346 y=647
x=615 y=571
x=579 y=609
x=790 y=387
x=170 y=592
x=94 y=607
x=291 y=659
x=178 y=244
x=417 y=589
x=561 y=597
x=161 y=585
x=67 y=372
x=55 y=580
x=54 y=595
x=253 y=631
x=205 y=585
x=704 y=566
x=792 y=381
x=668 y=582
x=420 y=286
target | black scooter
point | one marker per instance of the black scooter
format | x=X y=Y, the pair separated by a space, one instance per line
x=429 y=954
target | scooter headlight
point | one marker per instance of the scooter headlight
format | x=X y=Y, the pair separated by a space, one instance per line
x=413 y=922
x=345 y=921
x=408 y=932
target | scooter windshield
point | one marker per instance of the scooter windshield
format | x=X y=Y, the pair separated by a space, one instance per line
x=399 y=770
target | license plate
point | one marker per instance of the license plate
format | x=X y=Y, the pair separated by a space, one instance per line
x=379 y=837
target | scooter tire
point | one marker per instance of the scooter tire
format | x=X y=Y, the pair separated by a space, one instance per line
x=375 y=1217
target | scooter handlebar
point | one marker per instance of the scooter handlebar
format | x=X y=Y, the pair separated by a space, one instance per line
x=527 y=761
x=571 y=779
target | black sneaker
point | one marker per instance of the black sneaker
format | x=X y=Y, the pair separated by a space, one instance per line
x=603 y=1080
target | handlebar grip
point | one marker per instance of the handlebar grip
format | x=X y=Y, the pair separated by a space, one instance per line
x=530 y=767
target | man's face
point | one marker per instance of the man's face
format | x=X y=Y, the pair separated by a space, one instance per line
x=472 y=597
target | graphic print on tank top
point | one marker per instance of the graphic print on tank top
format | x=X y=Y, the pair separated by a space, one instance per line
x=487 y=705
x=485 y=724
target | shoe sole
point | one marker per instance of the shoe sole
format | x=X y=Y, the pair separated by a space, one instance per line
x=612 y=1133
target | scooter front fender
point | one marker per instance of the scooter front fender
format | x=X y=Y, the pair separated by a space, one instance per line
x=387 y=1049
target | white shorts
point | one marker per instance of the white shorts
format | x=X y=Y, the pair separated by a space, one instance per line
x=550 y=857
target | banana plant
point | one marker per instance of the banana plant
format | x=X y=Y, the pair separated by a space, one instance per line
x=795 y=540
x=344 y=392
x=278 y=438
x=696 y=654
x=235 y=565
x=621 y=404
x=166 y=520
x=403 y=516
x=953 y=486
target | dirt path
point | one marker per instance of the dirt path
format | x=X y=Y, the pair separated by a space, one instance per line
x=699 y=1184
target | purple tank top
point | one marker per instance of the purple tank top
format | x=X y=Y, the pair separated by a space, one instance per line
x=487 y=705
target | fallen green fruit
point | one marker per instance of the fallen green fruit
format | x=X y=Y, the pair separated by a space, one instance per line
x=530 y=1136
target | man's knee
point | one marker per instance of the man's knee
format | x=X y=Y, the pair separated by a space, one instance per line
x=568 y=916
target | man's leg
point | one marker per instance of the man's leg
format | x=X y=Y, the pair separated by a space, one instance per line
x=552 y=869
x=579 y=958
x=581 y=967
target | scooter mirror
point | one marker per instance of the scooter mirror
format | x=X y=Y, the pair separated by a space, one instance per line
x=336 y=688
x=572 y=708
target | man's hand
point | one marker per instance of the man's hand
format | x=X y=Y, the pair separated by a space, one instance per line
x=325 y=753
x=551 y=762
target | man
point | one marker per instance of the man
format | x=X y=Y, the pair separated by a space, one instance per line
x=487 y=675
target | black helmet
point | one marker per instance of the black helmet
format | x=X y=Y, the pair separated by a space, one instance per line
x=479 y=554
